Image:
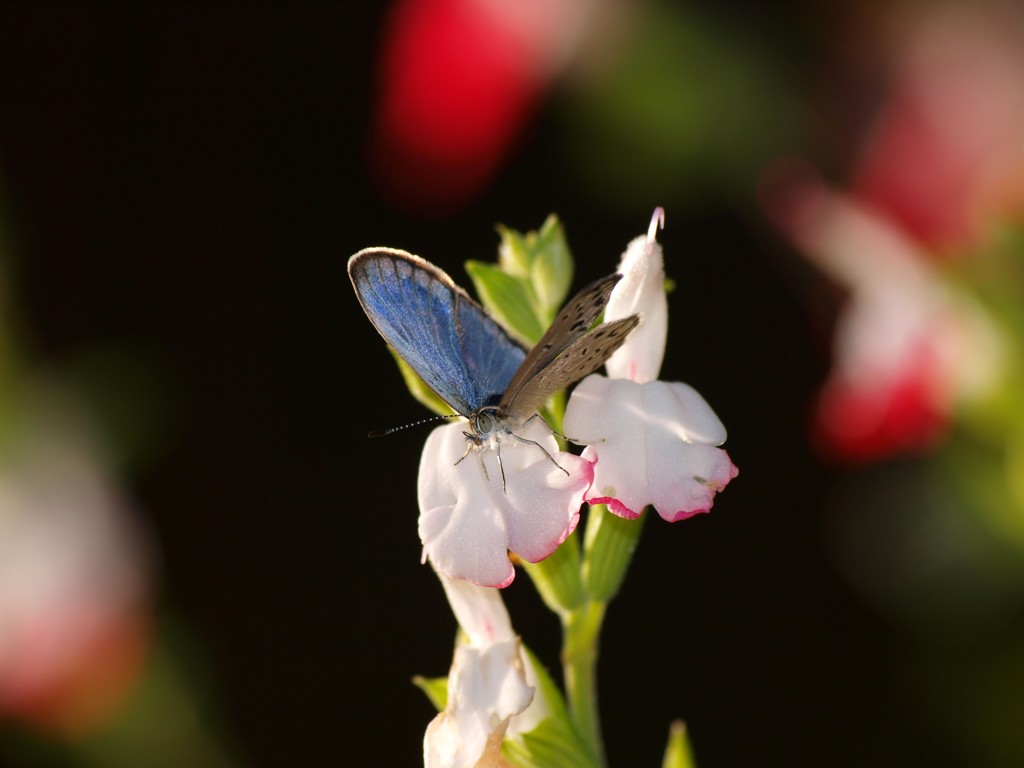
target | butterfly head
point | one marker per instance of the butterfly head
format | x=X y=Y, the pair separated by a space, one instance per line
x=484 y=426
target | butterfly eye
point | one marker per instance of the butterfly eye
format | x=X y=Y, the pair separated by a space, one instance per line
x=484 y=422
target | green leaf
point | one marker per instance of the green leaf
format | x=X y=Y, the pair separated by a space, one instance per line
x=546 y=746
x=554 y=742
x=673 y=120
x=436 y=689
x=678 y=753
x=509 y=299
x=550 y=693
x=419 y=388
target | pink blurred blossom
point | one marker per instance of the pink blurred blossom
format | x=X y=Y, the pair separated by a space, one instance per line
x=942 y=163
x=74 y=607
x=906 y=347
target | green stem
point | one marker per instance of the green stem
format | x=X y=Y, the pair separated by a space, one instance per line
x=609 y=544
x=581 y=628
x=578 y=586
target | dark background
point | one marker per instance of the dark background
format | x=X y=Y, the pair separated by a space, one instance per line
x=188 y=182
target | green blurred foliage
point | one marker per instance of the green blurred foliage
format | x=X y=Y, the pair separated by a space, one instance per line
x=681 y=105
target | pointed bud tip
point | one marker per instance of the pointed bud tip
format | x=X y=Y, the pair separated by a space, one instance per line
x=657 y=222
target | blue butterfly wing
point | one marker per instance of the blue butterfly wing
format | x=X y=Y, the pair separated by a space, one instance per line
x=446 y=337
x=491 y=356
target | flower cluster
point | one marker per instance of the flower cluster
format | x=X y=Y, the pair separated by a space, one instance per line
x=645 y=443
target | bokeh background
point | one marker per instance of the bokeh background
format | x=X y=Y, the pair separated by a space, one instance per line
x=205 y=562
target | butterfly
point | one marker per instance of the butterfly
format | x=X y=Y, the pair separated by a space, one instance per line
x=466 y=357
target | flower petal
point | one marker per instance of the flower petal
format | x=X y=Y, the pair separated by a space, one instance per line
x=470 y=519
x=480 y=611
x=653 y=443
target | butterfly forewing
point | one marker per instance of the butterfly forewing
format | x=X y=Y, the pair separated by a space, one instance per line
x=446 y=337
x=571 y=323
x=491 y=355
x=581 y=358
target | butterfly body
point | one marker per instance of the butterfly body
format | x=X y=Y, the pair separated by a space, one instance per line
x=467 y=358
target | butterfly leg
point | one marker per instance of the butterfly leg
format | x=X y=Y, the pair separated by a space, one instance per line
x=501 y=467
x=471 y=443
x=534 y=442
x=550 y=428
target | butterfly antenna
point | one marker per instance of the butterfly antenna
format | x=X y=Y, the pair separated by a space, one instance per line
x=391 y=430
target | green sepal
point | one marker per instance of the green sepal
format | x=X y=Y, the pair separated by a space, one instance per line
x=552 y=267
x=514 y=252
x=436 y=689
x=419 y=389
x=678 y=753
x=553 y=743
x=557 y=577
x=509 y=299
x=608 y=548
x=542 y=259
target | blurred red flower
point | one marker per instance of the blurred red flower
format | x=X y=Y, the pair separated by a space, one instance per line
x=458 y=79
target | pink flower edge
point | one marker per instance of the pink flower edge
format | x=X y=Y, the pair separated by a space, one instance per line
x=616 y=507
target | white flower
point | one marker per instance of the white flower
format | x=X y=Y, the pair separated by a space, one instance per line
x=488 y=683
x=474 y=511
x=653 y=443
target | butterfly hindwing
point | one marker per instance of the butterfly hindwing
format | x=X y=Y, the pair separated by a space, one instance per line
x=581 y=358
x=570 y=324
